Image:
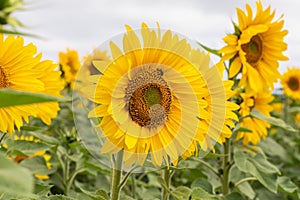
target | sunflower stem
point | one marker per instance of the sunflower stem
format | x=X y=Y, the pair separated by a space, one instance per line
x=116 y=176
x=226 y=167
x=167 y=177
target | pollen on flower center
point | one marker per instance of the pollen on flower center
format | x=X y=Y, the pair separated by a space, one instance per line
x=253 y=50
x=148 y=98
x=293 y=84
x=3 y=78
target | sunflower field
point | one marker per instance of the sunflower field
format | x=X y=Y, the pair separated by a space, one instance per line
x=151 y=114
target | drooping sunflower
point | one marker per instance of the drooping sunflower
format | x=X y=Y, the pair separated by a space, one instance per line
x=22 y=69
x=290 y=82
x=255 y=48
x=42 y=153
x=258 y=128
x=70 y=64
x=154 y=97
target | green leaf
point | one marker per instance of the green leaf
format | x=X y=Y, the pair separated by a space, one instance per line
x=100 y=194
x=5 y=31
x=259 y=167
x=247 y=190
x=36 y=165
x=202 y=183
x=181 y=193
x=271 y=147
x=14 y=178
x=213 y=51
x=11 y=97
x=272 y=120
x=234 y=196
x=44 y=138
x=286 y=184
x=200 y=194
x=26 y=147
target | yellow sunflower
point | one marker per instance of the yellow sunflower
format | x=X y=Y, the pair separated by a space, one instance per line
x=17 y=62
x=255 y=48
x=22 y=69
x=290 y=82
x=88 y=68
x=97 y=55
x=277 y=107
x=297 y=119
x=53 y=85
x=258 y=127
x=157 y=96
x=70 y=64
x=42 y=153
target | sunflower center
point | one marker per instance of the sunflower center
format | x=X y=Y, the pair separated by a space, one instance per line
x=253 y=50
x=3 y=78
x=148 y=99
x=293 y=84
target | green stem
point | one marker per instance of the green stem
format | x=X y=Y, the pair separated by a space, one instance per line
x=226 y=168
x=116 y=176
x=245 y=180
x=133 y=186
x=2 y=137
x=286 y=109
x=166 y=176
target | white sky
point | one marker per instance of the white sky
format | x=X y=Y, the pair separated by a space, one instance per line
x=85 y=24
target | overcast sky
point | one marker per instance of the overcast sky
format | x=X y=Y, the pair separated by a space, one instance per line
x=85 y=24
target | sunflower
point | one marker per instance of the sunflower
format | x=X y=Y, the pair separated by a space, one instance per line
x=257 y=127
x=17 y=62
x=297 y=119
x=97 y=55
x=70 y=64
x=154 y=97
x=42 y=153
x=22 y=69
x=53 y=85
x=255 y=48
x=88 y=68
x=290 y=82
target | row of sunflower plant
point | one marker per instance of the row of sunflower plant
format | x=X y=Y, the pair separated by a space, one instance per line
x=148 y=116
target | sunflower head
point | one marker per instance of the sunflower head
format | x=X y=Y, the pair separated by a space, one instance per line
x=257 y=128
x=70 y=64
x=290 y=82
x=255 y=48
x=22 y=157
x=21 y=68
x=157 y=96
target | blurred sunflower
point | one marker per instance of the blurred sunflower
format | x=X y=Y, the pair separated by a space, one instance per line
x=22 y=69
x=70 y=64
x=258 y=127
x=97 y=55
x=297 y=119
x=255 y=48
x=154 y=97
x=290 y=82
x=277 y=107
x=42 y=153
x=228 y=123
x=88 y=68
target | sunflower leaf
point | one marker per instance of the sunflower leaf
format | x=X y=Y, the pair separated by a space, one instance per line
x=272 y=120
x=14 y=178
x=9 y=97
x=213 y=51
